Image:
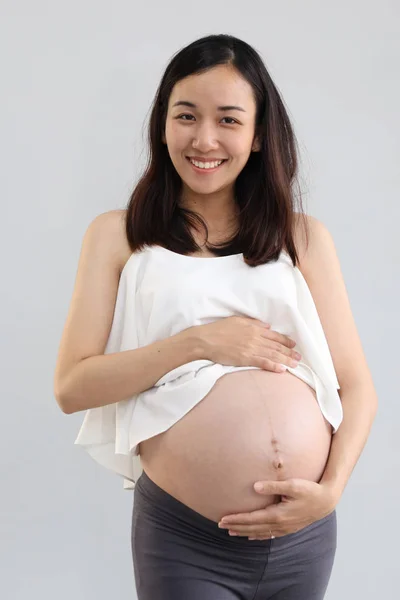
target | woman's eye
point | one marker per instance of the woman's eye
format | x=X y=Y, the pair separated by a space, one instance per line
x=186 y=115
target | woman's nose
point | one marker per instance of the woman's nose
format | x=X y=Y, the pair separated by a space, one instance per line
x=205 y=142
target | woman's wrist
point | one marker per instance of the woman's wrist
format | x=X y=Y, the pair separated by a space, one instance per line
x=195 y=342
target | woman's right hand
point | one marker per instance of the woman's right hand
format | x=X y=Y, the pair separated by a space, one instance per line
x=244 y=341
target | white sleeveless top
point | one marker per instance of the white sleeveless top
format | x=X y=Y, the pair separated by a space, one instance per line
x=160 y=294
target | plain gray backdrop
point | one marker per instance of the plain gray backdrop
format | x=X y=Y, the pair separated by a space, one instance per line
x=77 y=80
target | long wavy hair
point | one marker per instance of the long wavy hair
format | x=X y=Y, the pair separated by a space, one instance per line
x=264 y=189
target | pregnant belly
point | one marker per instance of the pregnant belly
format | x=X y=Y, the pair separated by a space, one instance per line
x=252 y=425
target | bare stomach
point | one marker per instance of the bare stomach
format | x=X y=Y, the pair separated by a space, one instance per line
x=252 y=425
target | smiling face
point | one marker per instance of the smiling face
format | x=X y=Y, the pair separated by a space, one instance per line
x=205 y=130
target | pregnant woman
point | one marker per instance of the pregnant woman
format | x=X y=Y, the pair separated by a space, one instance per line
x=208 y=337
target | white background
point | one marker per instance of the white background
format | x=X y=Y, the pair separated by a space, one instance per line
x=77 y=80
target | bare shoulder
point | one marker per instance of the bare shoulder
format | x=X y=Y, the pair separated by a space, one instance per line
x=309 y=235
x=110 y=227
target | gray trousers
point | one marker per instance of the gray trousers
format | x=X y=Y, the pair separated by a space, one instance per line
x=178 y=554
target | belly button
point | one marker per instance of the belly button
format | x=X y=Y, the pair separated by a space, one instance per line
x=277 y=463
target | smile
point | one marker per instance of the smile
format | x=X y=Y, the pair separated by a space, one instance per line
x=204 y=167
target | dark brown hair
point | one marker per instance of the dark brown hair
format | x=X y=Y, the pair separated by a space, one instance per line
x=264 y=187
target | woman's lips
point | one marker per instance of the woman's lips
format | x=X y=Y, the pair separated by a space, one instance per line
x=203 y=171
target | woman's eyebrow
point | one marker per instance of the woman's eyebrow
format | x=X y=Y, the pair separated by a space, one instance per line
x=220 y=108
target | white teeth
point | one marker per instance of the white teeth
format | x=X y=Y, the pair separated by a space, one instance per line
x=207 y=165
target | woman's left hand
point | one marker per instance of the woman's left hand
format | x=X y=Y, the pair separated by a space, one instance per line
x=302 y=503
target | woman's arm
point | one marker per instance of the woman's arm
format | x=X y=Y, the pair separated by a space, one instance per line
x=321 y=269
x=106 y=379
x=359 y=408
x=84 y=377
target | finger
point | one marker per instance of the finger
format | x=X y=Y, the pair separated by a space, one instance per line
x=278 y=350
x=281 y=338
x=261 y=529
x=269 y=365
x=276 y=357
x=291 y=488
x=280 y=355
x=257 y=517
x=275 y=349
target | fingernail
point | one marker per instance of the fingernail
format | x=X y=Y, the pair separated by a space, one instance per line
x=297 y=355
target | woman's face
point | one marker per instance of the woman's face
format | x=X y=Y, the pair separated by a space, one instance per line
x=207 y=132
